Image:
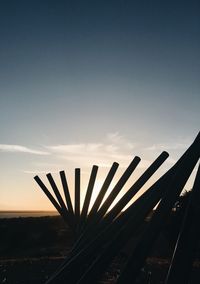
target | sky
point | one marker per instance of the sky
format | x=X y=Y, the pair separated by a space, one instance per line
x=93 y=82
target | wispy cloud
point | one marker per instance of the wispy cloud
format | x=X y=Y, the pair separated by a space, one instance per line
x=21 y=149
x=43 y=168
x=113 y=148
x=167 y=147
x=35 y=172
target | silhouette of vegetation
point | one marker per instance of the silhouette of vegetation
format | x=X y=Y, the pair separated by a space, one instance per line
x=175 y=218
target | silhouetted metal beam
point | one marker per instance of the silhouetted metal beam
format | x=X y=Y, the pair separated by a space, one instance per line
x=57 y=193
x=136 y=187
x=150 y=197
x=52 y=199
x=121 y=237
x=103 y=190
x=116 y=235
x=117 y=188
x=104 y=207
x=77 y=195
x=182 y=260
x=97 y=253
x=60 y=199
x=108 y=218
x=125 y=226
x=66 y=192
x=186 y=164
x=88 y=195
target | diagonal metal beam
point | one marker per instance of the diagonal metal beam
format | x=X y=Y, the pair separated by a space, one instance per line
x=66 y=192
x=117 y=188
x=181 y=264
x=103 y=209
x=103 y=190
x=186 y=165
x=91 y=229
x=88 y=195
x=136 y=186
x=170 y=179
x=52 y=199
x=116 y=235
x=57 y=193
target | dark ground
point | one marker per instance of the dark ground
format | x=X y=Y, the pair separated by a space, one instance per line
x=32 y=248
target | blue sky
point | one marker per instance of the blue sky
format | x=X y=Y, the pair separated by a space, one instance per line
x=86 y=82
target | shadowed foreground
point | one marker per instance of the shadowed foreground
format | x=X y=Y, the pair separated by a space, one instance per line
x=123 y=242
x=31 y=249
x=101 y=235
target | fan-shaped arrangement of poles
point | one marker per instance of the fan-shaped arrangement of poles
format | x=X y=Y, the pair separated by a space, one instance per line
x=104 y=230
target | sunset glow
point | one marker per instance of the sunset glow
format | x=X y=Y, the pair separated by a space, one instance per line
x=93 y=82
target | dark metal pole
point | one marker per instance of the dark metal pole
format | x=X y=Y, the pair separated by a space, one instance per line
x=145 y=202
x=77 y=196
x=57 y=193
x=116 y=235
x=52 y=199
x=107 y=243
x=117 y=188
x=108 y=218
x=136 y=186
x=181 y=264
x=185 y=166
x=125 y=227
x=104 y=207
x=89 y=193
x=103 y=190
x=99 y=198
x=66 y=192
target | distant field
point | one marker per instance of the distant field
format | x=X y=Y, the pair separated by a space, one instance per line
x=16 y=214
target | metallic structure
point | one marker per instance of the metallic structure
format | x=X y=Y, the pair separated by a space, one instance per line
x=104 y=230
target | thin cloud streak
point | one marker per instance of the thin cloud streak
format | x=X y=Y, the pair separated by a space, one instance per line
x=162 y=147
x=85 y=154
x=114 y=148
x=35 y=172
x=20 y=149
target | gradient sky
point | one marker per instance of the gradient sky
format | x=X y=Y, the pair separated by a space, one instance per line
x=93 y=82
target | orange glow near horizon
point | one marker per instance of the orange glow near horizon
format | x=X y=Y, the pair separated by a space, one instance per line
x=26 y=198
